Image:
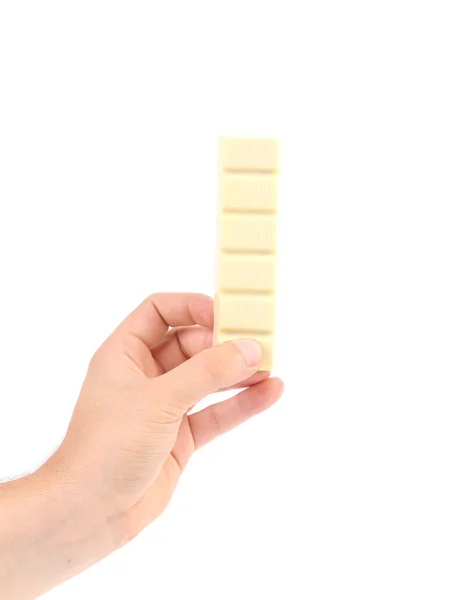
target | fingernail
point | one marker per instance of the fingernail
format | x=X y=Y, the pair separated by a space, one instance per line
x=250 y=350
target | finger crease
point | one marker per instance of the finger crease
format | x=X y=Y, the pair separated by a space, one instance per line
x=176 y=461
x=181 y=346
x=243 y=410
x=159 y=365
x=214 y=422
x=160 y=315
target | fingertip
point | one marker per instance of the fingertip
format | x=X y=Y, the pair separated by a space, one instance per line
x=269 y=391
x=208 y=338
x=260 y=397
x=202 y=309
x=277 y=384
x=252 y=380
x=250 y=350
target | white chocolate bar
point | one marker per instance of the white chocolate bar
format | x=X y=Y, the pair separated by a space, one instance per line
x=246 y=249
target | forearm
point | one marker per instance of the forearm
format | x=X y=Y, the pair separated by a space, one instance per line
x=48 y=534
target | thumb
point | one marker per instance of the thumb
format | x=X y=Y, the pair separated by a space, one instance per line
x=211 y=370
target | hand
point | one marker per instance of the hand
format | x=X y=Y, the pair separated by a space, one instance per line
x=130 y=437
x=128 y=442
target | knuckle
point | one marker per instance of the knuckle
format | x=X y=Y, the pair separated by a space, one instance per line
x=212 y=369
x=97 y=358
x=218 y=364
x=102 y=356
x=152 y=297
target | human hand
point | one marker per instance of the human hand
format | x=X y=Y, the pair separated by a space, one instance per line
x=128 y=442
x=130 y=437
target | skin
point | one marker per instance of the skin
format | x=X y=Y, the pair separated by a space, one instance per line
x=129 y=440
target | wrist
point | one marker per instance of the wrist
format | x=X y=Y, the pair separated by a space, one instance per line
x=48 y=531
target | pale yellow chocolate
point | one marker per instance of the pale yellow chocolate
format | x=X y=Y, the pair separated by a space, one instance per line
x=246 y=252
x=248 y=154
x=248 y=273
x=249 y=192
x=248 y=232
x=245 y=312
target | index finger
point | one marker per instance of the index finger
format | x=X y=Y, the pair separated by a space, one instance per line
x=150 y=321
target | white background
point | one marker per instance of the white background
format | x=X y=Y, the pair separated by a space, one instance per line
x=109 y=113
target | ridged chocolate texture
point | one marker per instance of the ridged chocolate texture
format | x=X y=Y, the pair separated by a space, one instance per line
x=246 y=249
